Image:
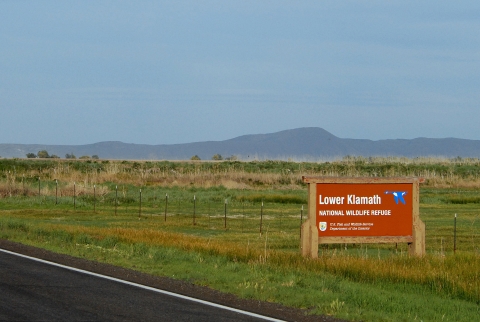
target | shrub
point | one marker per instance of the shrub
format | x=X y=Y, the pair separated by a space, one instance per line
x=43 y=154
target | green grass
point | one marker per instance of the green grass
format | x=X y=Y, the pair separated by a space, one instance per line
x=358 y=282
x=318 y=292
x=273 y=198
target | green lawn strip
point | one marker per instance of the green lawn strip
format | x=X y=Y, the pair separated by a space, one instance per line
x=319 y=292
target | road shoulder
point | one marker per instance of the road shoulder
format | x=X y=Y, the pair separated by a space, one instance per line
x=168 y=284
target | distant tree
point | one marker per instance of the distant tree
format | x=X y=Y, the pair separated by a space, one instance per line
x=217 y=157
x=83 y=157
x=31 y=155
x=195 y=157
x=43 y=154
x=95 y=157
x=54 y=156
x=70 y=156
x=232 y=158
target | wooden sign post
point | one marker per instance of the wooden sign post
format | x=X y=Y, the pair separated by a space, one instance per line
x=363 y=210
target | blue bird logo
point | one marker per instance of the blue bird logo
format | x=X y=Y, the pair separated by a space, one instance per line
x=398 y=195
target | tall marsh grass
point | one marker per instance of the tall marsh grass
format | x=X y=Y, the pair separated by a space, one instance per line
x=438 y=172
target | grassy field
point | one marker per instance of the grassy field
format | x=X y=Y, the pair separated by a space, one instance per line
x=257 y=254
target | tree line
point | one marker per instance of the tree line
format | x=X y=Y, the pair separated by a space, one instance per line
x=216 y=157
x=43 y=154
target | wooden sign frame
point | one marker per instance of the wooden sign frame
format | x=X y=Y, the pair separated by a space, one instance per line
x=312 y=237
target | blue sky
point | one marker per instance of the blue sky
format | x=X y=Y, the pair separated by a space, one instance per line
x=164 y=72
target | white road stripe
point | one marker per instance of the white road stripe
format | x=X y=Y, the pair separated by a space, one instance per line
x=145 y=287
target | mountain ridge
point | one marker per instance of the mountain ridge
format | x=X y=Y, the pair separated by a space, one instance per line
x=300 y=143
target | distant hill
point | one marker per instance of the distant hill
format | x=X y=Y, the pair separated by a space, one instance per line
x=301 y=144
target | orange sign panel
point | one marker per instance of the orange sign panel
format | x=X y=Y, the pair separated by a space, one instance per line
x=356 y=209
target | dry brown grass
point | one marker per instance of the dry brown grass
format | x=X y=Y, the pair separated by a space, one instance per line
x=249 y=175
x=8 y=190
x=458 y=273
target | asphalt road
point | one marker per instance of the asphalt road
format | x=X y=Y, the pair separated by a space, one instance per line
x=35 y=291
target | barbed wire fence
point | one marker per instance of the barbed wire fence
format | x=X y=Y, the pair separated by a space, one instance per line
x=211 y=211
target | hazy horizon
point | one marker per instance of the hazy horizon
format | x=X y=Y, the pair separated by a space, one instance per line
x=247 y=134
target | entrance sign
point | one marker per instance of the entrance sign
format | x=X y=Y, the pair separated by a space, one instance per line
x=363 y=210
